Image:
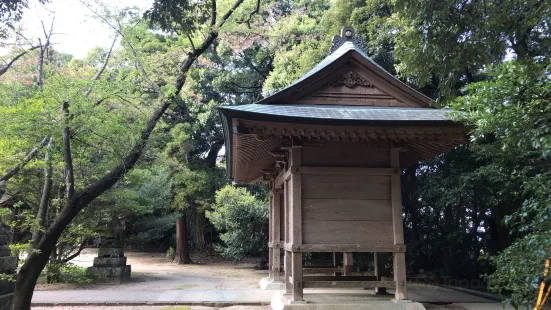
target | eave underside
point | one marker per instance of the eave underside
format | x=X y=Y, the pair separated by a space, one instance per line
x=255 y=142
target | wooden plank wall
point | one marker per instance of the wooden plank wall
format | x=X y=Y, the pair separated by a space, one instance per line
x=349 y=209
x=344 y=154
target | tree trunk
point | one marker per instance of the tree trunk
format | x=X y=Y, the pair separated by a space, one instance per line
x=200 y=230
x=182 y=241
x=45 y=200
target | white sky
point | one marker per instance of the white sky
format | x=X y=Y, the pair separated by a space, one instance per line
x=76 y=29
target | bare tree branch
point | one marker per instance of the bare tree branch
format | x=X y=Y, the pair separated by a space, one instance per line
x=67 y=156
x=100 y=71
x=45 y=199
x=213 y=13
x=137 y=61
x=25 y=160
x=191 y=42
x=14 y=59
x=43 y=49
x=248 y=20
x=77 y=253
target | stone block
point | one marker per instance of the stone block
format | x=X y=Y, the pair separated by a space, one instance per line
x=109 y=261
x=268 y=284
x=8 y=264
x=4 y=250
x=343 y=302
x=7 y=287
x=5 y=234
x=5 y=301
x=111 y=274
x=110 y=252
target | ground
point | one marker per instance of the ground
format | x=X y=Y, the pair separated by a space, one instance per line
x=154 y=278
x=152 y=271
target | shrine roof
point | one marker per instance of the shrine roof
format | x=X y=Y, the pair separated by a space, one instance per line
x=347 y=48
x=338 y=114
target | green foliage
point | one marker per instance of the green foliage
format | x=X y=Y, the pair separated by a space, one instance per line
x=512 y=108
x=66 y=273
x=242 y=221
x=170 y=254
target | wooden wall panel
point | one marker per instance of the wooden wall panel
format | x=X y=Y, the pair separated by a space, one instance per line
x=346 y=190
x=345 y=178
x=346 y=209
x=347 y=232
x=344 y=154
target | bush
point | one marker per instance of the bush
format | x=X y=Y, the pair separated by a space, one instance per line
x=66 y=273
x=242 y=221
x=170 y=254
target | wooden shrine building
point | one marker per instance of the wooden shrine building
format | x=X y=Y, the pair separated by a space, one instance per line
x=332 y=146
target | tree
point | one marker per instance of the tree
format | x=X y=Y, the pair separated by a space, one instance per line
x=242 y=220
x=77 y=200
x=512 y=107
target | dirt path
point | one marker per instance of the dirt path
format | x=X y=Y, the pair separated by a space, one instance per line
x=152 y=271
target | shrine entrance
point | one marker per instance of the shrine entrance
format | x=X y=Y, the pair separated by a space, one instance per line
x=332 y=146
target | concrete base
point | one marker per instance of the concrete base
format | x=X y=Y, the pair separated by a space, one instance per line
x=342 y=302
x=267 y=284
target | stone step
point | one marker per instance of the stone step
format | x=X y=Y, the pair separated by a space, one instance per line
x=109 y=261
x=110 y=252
x=7 y=287
x=8 y=264
x=4 y=250
x=111 y=274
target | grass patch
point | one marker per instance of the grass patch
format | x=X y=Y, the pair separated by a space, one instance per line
x=185 y=286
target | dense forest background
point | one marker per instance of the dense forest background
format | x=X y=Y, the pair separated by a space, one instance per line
x=479 y=212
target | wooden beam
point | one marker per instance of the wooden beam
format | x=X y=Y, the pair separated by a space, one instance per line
x=347 y=262
x=345 y=248
x=322 y=269
x=346 y=170
x=271 y=237
x=297 y=277
x=339 y=278
x=380 y=271
x=287 y=268
x=278 y=181
x=347 y=284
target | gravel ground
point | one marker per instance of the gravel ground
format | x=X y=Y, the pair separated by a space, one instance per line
x=145 y=308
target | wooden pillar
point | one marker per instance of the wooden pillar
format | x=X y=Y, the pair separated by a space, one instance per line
x=399 y=260
x=347 y=260
x=286 y=219
x=288 y=265
x=380 y=271
x=295 y=183
x=271 y=236
x=276 y=234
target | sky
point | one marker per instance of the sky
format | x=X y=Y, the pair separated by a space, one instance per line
x=76 y=28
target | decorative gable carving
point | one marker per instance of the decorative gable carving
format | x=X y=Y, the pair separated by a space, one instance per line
x=351 y=87
x=350 y=79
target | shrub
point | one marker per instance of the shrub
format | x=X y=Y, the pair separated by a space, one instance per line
x=242 y=221
x=170 y=254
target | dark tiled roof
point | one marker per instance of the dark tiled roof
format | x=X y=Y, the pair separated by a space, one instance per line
x=344 y=113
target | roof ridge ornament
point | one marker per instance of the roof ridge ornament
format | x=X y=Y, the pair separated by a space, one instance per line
x=347 y=34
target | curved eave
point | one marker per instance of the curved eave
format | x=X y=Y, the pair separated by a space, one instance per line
x=227 y=141
x=229 y=113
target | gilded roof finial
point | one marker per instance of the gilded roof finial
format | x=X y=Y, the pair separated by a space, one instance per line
x=347 y=34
